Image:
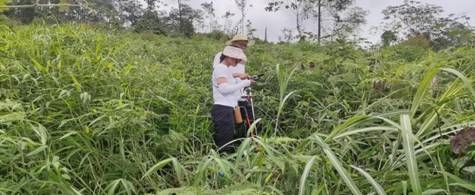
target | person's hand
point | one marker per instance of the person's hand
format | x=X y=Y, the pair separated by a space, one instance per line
x=242 y=76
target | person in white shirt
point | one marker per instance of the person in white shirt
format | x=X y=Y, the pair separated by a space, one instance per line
x=242 y=42
x=226 y=93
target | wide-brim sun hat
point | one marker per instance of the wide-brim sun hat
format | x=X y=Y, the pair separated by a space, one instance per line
x=235 y=53
x=240 y=37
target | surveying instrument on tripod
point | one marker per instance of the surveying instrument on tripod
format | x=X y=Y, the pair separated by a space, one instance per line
x=247 y=109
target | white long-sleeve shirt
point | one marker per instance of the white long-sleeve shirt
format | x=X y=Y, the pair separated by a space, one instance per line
x=239 y=68
x=227 y=94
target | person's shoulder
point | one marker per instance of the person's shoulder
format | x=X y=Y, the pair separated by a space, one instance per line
x=220 y=67
x=220 y=70
x=216 y=60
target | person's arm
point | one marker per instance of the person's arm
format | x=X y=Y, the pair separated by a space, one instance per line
x=225 y=87
x=222 y=83
x=242 y=76
x=240 y=72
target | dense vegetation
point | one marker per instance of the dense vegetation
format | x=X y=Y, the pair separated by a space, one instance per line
x=90 y=111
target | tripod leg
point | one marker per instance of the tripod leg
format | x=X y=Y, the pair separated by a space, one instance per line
x=242 y=129
x=253 y=115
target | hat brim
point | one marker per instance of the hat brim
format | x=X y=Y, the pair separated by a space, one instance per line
x=249 y=42
x=234 y=52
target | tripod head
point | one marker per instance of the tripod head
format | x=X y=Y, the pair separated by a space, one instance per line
x=257 y=77
x=247 y=91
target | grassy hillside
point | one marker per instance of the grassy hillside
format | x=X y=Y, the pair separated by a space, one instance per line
x=92 y=111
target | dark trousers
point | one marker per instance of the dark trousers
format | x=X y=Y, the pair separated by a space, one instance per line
x=223 y=121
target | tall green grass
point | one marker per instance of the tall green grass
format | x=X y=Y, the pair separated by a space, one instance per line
x=88 y=111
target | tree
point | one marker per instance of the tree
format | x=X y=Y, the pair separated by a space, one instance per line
x=209 y=11
x=24 y=15
x=349 y=22
x=130 y=11
x=413 y=18
x=242 y=5
x=60 y=10
x=288 y=35
x=301 y=9
x=151 y=21
x=340 y=16
x=319 y=19
x=250 y=29
x=344 y=18
x=388 y=37
x=152 y=4
x=228 y=24
x=181 y=19
x=181 y=24
x=91 y=11
x=135 y=14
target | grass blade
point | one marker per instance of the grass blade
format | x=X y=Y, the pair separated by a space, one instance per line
x=465 y=80
x=371 y=180
x=365 y=130
x=434 y=191
x=422 y=89
x=114 y=185
x=158 y=166
x=338 y=166
x=408 y=145
x=304 y=176
x=460 y=182
x=348 y=123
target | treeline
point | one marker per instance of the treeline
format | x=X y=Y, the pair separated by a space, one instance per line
x=138 y=15
x=411 y=21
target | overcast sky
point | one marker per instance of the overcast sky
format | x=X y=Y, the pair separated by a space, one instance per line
x=275 y=22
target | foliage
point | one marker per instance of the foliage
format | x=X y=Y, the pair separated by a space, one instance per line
x=53 y=11
x=181 y=19
x=342 y=19
x=85 y=110
x=116 y=14
x=151 y=21
x=413 y=18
